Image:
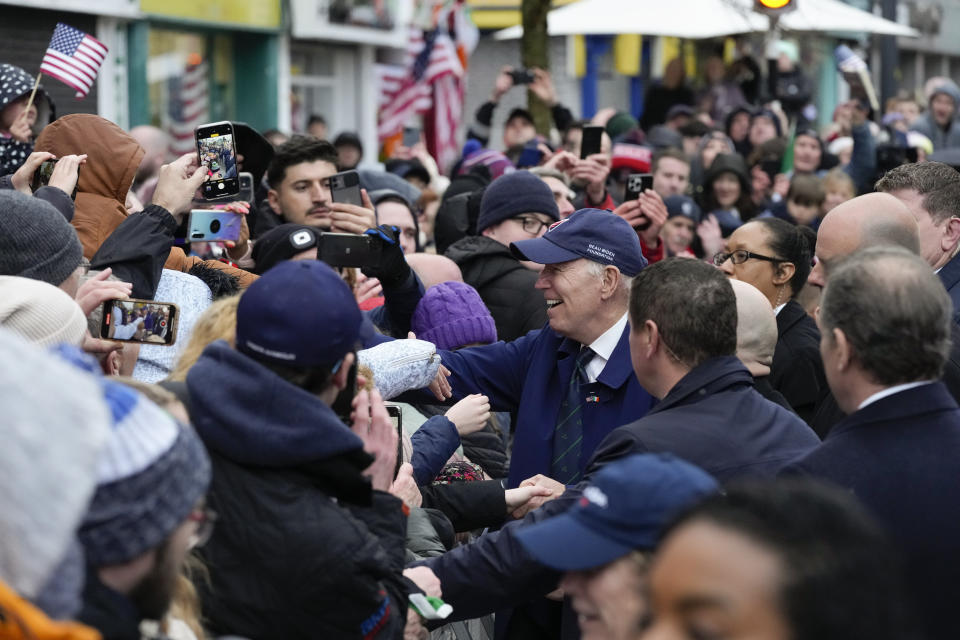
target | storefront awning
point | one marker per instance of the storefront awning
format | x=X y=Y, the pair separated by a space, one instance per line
x=698 y=19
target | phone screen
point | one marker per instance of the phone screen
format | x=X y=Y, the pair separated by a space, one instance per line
x=590 y=141
x=217 y=151
x=143 y=321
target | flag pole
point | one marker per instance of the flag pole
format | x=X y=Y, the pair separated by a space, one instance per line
x=33 y=93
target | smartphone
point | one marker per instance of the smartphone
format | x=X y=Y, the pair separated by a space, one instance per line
x=343 y=404
x=217 y=151
x=590 y=141
x=41 y=177
x=210 y=226
x=522 y=76
x=530 y=156
x=345 y=187
x=143 y=321
x=411 y=136
x=246 y=187
x=396 y=417
x=637 y=183
x=349 y=250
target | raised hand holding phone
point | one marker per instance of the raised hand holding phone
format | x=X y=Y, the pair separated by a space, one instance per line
x=217 y=151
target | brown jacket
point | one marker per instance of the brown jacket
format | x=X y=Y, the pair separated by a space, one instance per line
x=113 y=157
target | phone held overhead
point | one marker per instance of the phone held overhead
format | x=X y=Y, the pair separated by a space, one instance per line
x=217 y=151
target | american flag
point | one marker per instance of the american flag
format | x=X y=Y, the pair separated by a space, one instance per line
x=188 y=103
x=73 y=57
x=431 y=82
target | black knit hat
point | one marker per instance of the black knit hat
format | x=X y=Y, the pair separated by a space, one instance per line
x=512 y=194
x=282 y=243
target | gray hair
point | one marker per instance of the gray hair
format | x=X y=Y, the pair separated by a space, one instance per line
x=544 y=172
x=894 y=312
x=597 y=269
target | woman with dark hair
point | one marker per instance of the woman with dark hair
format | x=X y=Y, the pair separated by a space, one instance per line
x=726 y=192
x=776 y=257
x=794 y=560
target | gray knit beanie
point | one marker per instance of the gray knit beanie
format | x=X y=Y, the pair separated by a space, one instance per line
x=36 y=241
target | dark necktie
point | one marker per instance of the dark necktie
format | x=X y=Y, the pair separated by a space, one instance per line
x=568 y=435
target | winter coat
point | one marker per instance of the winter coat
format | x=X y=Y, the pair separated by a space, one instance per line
x=22 y=620
x=504 y=284
x=797 y=369
x=111 y=613
x=898 y=456
x=303 y=547
x=950 y=277
x=16 y=83
x=712 y=418
x=61 y=201
x=529 y=375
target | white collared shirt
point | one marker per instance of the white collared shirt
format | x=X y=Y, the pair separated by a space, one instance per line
x=779 y=308
x=889 y=391
x=603 y=348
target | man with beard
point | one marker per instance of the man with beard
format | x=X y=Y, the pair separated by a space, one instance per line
x=146 y=514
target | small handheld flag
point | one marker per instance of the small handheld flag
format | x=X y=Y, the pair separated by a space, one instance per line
x=74 y=58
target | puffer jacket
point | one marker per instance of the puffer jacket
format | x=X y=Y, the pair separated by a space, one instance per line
x=504 y=285
x=303 y=547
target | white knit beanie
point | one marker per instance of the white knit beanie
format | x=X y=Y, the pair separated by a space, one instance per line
x=40 y=313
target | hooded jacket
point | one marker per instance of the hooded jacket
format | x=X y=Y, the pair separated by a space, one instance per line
x=504 y=285
x=112 y=160
x=925 y=124
x=303 y=547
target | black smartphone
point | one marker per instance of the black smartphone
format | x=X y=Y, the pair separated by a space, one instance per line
x=343 y=405
x=214 y=226
x=246 y=187
x=41 y=177
x=217 y=151
x=522 y=76
x=143 y=321
x=349 y=250
x=396 y=417
x=345 y=187
x=411 y=136
x=637 y=183
x=590 y=141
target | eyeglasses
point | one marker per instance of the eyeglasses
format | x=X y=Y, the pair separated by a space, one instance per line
x=205 y=519
x=740 y=256
x=531 y=225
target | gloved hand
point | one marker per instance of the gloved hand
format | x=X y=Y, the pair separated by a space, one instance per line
x=393 y=268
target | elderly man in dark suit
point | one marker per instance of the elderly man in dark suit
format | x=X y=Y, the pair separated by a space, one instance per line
x=885 y=322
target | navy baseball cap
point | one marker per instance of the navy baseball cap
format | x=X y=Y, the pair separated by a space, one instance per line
x=625 y=507
x=681 y=205
x=299 y=313
x=593 y=234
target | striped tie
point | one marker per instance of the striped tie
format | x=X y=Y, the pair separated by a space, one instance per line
x=568 y=435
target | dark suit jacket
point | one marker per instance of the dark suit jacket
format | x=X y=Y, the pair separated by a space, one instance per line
x=900 y=456
x=950 y=277
x=797 y=370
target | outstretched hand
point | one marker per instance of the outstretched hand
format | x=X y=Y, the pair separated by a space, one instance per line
x=177 y=183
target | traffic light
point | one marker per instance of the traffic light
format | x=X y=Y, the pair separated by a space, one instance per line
x=774 y=7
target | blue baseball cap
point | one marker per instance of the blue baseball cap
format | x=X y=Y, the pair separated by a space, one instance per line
x=298 y=313
x=681 y=205
x=625 y=506
x=593 y=234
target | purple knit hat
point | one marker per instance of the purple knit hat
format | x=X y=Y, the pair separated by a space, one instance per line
x=451 y=315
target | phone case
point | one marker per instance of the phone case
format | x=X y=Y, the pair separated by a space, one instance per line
x=591 y=141
x=345 y=188
x=210 y=226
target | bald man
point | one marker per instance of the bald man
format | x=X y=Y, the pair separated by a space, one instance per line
x=871 y=220
x=156 y=144
x=757 y=338
x=433 y=269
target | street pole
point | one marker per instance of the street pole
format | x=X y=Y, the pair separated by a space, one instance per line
x=889 y=55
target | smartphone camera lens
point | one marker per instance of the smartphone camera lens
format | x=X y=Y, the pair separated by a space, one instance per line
x=214 y=226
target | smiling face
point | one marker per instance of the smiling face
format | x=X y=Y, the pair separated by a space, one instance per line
x=806 y=154
x=942 y=107
x=711 y=582
x=608 y=600
x=726 y=187
x=303 y=196
x=572 y=292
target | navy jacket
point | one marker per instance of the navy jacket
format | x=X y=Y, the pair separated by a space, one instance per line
x=528 y=376
x=899 y=456
x=950 y=276
x=713 y=418
x=797 y=369
x=303 y=548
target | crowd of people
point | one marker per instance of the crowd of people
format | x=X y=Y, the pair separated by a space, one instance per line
x=554 y=405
